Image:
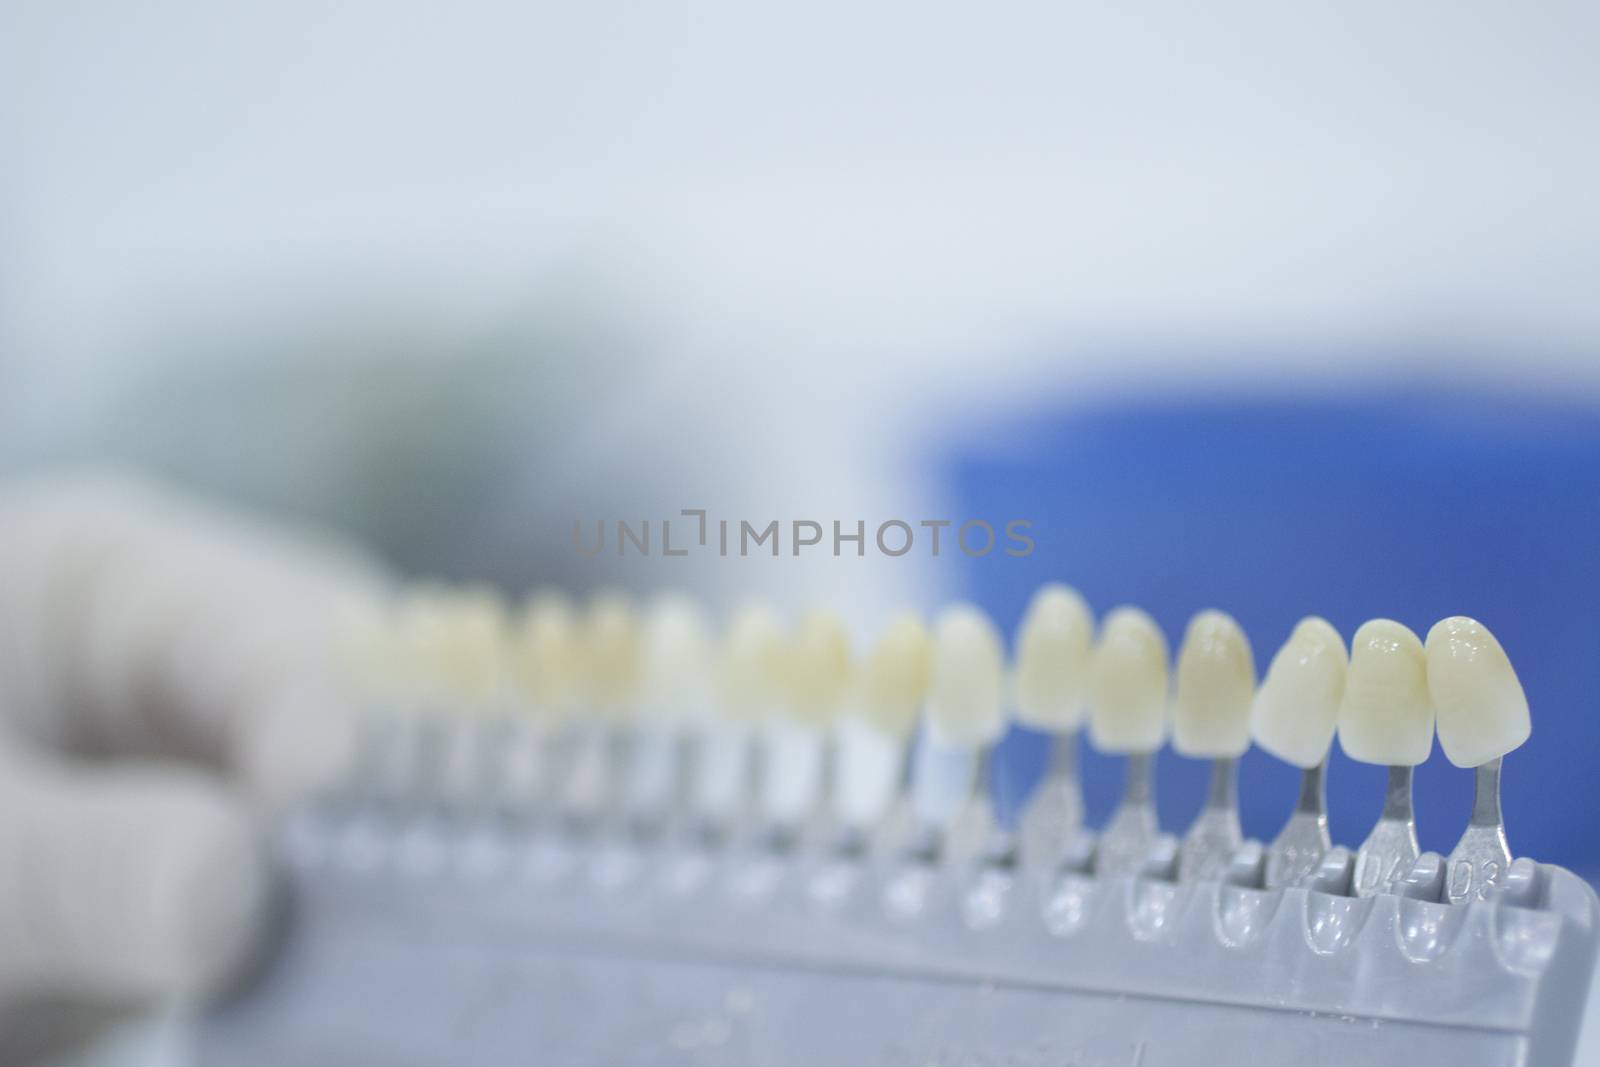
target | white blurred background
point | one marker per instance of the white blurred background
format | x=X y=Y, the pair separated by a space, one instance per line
x=455 y=274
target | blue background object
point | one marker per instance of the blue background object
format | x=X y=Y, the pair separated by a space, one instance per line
x=1413 y=504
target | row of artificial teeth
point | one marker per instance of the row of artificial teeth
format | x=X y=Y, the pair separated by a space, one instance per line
x=1384 y=700
x=799 y=693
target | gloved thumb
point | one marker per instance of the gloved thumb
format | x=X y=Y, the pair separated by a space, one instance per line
x=122 y=882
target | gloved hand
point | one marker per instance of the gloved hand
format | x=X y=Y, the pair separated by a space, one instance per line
x=166 y=675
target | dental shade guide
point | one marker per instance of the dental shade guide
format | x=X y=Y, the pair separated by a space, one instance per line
x=873 y=941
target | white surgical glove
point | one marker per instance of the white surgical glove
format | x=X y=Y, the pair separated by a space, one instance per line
x=166 y=676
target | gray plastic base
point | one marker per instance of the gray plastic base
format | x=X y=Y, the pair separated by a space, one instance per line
x=485 y=949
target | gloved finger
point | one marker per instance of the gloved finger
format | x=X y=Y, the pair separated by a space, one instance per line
x=293 y=743
x=136 y=622
x=123 y=883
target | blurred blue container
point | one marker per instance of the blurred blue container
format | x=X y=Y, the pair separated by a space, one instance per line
x=1412 y=504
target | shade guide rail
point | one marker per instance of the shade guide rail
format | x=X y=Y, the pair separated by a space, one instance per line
x=764 y=787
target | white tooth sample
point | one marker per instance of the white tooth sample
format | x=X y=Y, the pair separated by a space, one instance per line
x=1482 y=715
x=674 y=692
x=474 y=647
x=1297 y=707
x=817 y=679
x=551 y=658
x=368 y=657
x=548 y=669
x=1215 y=684
x=1386 y=716
x=818 y=668
x=1128 y=684
x=965 y=714
x=1481 y=708
x=967 y=680
x=676 y=667
x=894 y=679
x=750 y=677
x=1050 y=692
x=1213 y=690
x=749 y=690
x=872 y=737
x=611 y=654
x=420 y=621
x=1294 y=716
x=1051 y=679
x=417 y=688
x=465 y=636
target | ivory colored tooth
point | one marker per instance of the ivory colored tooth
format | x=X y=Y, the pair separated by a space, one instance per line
x=870 y=741
x=1482 y=715
x=1128 y=684
x=1052 y=673
x=476 y=647
x=1297 y=707
x=551 y=658
x=751 y=675
x=966 y=683
x=612 y=654
x=1386 y=716
x=1481 y=708
x=676 y=671
x=1216 y=681
x=818 y=668
x=894 y=679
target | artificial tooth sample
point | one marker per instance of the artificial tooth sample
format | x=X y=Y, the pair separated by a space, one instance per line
x=371 y=658
x=445 y=746
x=550 y=675
x=472 y=653
x=408 y=764
x=894 y=679
x=1482 y=715
x=1128 y=684
x=965 y=715
x=820 y=668
x=1052 y=670
x=873 y=733
x=965 y=681
x=750 y=682
x=610 y=645
x=1386 y=717
x=422 y=617
x=1211 y=720
x=552 y=667
x=674 y=698
x=1481 y=708
x=612 y=655
x=1293 y=717
x=816 y=679
x=1051 y=684
x=1215 y=686
x=749 y=690
x=1128 y=716
x=676 y=666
